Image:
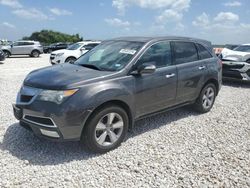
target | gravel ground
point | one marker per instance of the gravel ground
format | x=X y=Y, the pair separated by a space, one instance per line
x=179 y=148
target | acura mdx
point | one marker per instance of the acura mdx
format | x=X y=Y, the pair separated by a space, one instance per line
x=97 y=98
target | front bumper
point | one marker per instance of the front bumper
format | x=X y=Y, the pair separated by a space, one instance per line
x=62 y=122
x=236 y=70
x=55 y=60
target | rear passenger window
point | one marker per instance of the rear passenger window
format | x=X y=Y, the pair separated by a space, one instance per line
x=185 y=52
x=158 y=54
x=203 y=52
x=28 y=43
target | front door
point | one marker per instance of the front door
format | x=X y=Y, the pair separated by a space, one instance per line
x=156 y=91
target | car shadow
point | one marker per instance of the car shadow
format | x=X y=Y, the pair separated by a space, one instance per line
x=1 y=63
x=25 y=145
x=236 y=83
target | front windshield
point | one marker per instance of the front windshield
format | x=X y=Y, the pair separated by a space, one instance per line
x=74 y=46
x=243 y=48
x=110 y=55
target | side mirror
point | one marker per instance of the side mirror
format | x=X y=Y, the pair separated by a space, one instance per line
x=81 y=49
x=146 y=68
x=87 y=48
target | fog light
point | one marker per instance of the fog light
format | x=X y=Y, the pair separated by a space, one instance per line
x=50 y=133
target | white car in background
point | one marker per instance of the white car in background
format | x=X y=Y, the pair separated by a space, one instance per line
x=236 y=62
x=73 y=52
x=240 y=53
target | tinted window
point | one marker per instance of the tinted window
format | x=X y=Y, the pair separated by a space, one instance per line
x=61 y=45
x=74 y=46
x=158 y=54
x=203 y=52
x=28 y=43
x=185 y=52
x=90 y=46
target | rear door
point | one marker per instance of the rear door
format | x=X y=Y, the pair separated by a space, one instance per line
x=156 y=91
x=27 y=47
x=190 y=70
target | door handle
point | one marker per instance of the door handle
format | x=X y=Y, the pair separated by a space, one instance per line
x=202 y=67
x=170 y=75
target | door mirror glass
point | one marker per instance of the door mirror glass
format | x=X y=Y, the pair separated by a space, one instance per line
x=146 y=68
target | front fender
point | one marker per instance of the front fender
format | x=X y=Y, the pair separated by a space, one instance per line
x=103 y=93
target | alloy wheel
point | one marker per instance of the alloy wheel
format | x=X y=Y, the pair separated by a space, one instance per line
x=109 y=129
x=35 y=54
x=208 y=98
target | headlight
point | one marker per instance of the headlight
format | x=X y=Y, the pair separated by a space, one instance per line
x=56 y=96
x=60 y=54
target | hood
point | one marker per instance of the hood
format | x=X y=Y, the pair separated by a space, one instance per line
x=231 y=58
x=65 y=76
x=235 y=55
x=6 y=47
x=60 y=51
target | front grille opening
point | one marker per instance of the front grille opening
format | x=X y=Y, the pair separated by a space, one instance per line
x=232 y=74
x=39 y=120
x=26 y=98
x=232 y=66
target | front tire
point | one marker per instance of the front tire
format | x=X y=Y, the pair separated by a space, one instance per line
x=106 y=129
x=6 y=53
x=70 y=60
x=206 y=99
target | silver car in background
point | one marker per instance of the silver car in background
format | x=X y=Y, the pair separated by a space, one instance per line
x=31 y=48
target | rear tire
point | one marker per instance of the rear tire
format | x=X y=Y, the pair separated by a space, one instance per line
x=205 y=101
x=106 y=129
x=35 y=53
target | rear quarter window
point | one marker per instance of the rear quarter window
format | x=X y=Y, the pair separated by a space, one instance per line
x=203 y=52
x=185 y=52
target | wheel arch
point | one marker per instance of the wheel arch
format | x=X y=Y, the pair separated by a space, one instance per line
x=115 y=102
x=35 y=50
x=212 y=81
x=5 y=50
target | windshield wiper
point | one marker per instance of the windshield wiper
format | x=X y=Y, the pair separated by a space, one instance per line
x=90 y=66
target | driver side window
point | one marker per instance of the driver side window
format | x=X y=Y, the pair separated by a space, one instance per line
x=158 y=54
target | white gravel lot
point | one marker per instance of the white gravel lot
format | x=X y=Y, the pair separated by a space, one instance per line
x=179 y=148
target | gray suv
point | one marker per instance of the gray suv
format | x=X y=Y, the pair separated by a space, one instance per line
x=99 y=97
x=32 y=48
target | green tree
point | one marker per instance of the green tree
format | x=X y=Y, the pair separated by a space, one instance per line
x=48 y=37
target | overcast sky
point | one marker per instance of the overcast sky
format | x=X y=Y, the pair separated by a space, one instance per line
x=220 y=21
